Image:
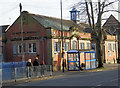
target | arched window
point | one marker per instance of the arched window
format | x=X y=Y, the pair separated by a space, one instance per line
x=74 y=45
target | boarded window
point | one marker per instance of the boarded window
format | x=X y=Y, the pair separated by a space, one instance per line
x=14 y=49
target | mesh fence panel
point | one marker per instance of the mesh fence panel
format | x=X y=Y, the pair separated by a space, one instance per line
x=24 y=72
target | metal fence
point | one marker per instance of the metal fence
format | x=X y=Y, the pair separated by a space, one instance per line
x=13 y=64
x=26 y=72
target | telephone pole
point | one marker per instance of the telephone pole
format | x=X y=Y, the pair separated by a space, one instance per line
x=62 y=38
x=21 y=27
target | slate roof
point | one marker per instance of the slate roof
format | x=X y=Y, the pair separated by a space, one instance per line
x=55 y=23
x=111 y=21
x=111 y=25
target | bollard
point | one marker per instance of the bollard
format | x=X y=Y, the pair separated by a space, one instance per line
x=50 y=70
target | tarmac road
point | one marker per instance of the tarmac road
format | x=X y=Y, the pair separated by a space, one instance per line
x=100 y=78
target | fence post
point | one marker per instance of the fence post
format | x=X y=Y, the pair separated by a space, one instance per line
x=50 y=70
x=15 y=74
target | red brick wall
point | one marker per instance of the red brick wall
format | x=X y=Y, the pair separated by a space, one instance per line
x=85 y=35
x=30 y=26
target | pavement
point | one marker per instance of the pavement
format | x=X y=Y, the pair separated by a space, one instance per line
x=59 y=74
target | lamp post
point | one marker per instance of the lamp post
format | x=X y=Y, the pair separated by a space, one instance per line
x=21 y=26
x=43 y=51
x=62 y=38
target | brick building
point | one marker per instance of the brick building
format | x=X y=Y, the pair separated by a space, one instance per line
x=2 y=41
x=42 y=36
x=112 y=28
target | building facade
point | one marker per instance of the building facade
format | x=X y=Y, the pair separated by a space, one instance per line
x=112 y=28
x=42 y=36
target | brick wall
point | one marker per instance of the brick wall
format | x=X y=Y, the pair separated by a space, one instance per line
x=31 y=28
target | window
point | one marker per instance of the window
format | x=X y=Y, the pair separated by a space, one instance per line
x=32 y=47
x=93 y=45
x=66 y=46
x=74 y=45
x=114 y=47
x=109 y=46
x=57 y=46
x=88 y=46
x=19 y=48
x=82 y=46
x=73 y=16
x=14 y=49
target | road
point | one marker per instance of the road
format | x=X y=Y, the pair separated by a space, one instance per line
x=101 y=78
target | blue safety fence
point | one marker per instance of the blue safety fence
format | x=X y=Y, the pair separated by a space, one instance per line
x=13 y=64
x=9 y=68
x=26 y=72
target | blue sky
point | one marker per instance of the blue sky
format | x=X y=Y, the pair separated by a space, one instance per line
x=9 y=9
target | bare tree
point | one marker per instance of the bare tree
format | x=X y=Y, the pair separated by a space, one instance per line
x=94 y=11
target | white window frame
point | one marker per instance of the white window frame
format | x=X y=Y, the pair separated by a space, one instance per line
x=66 y=46
x=114 y=47
x=57 y=46
x=82 y=45
x=20 y=44
x=88 y=46
x=32 y=49
x=109 y=47
x=74 y=45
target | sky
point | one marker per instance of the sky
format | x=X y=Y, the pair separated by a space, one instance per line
x=9 y=9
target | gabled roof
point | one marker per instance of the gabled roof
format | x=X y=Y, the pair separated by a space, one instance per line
x=111 y=25
x=55 y=23
x=111 y=21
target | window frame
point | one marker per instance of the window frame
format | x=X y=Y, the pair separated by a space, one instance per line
x=18 y=47
x=82 y=45
x=109 y=47
x=57 y=46
x=88 y=46
x=66 y=46
x=32 y=48
x=113 y=48
x=73 y=45
x=14 y=49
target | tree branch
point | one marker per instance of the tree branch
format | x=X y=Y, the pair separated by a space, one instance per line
x=112 y=11
x=92 y=14
x=86 y=3
x=110 y=3
x=103 y=6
